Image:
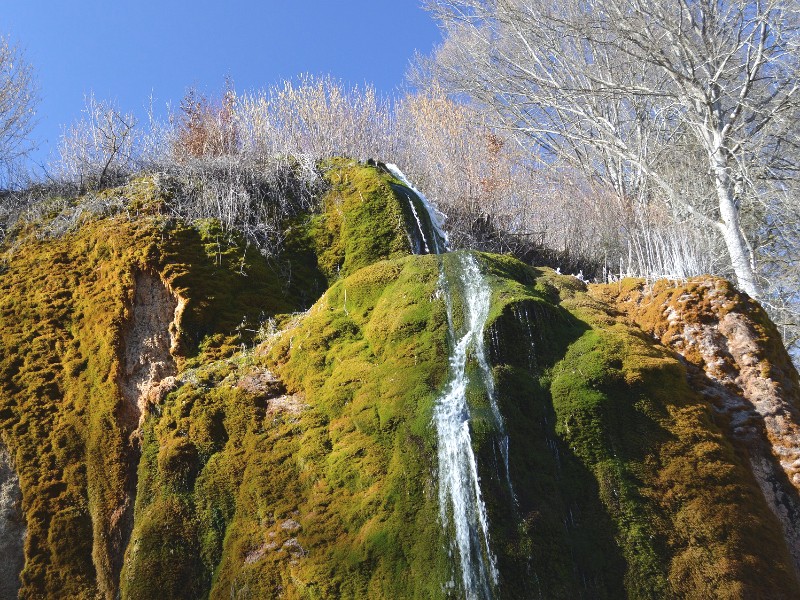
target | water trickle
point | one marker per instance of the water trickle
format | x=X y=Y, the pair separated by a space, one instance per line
x=551 y=443
x=521 y=314
x=494 y=336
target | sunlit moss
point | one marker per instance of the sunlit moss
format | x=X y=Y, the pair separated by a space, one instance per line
x=623 y=483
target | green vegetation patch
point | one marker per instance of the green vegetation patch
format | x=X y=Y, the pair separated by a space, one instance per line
x=322 y=490
x=555 y=538
x=362 y=221
x=369 y=359
x=624 y=484
x=65 y=303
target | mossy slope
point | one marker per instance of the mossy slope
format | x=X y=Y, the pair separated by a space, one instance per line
x=301 y=463
x=667 y=474
x=625 y=484
x=66 y=302
x=64 y=306
x=363 y=220
x=333 y=498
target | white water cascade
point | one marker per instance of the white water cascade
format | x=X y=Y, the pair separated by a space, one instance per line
x=460 y=501
x=435 y=241
x=459 y=483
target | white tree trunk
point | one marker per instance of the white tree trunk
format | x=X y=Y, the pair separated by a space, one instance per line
x=731 y=229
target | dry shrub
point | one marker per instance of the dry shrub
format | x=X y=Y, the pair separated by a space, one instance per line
x=205 y=127
x=314 y=117
x=100 y=148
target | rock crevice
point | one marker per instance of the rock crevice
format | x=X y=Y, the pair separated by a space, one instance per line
x=147 y=373
x=148 y=365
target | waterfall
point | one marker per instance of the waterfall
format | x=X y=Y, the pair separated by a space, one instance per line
x=459 y=484
x=429 y=222
x=460 y=501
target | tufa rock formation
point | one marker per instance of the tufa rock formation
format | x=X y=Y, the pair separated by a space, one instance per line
x=182 y=418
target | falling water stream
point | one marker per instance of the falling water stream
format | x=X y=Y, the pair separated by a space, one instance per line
x=434 y=239
x=459 y=484
x=460 y=501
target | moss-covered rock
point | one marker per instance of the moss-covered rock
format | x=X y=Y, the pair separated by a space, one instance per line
x=363 y=219
x=65 y=304
x=294 y=454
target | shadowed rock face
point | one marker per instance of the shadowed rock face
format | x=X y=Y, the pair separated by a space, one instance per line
x=732 y=361
x=12 y=528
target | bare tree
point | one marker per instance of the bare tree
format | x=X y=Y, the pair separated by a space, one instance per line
x=477 y=176
x=17 y=109
x=99 y=147
x=626 y=89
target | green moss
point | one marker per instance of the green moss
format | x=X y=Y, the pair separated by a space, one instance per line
x=369 y=358
x=559 y=534
x=624 y=485
x=165 y=530
x=228 y=287
x=315 y=503
x=362 y=221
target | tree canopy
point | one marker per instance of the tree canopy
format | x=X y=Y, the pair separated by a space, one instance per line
x=690 y=103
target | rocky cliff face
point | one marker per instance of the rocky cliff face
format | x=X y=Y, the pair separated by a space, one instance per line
x=180 y=418
x=734 y=359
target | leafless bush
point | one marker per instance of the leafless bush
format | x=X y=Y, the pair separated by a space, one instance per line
x=99 y=148
x=472 y=172
x=251 y=199
x=314 y=117
x=251 y=160
x=675 y=251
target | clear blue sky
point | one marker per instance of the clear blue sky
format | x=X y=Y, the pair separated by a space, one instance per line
x=125 y=50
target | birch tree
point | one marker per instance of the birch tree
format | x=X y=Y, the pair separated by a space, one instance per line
x=627 y=89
